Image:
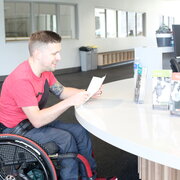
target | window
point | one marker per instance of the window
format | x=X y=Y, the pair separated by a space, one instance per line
x=167 y=20
x=131 y=24
x=111 y=23
x=171 y=21
x=67 y=21
x=23 y=18
x=17 y=19
x=100 y=23
x=116 y=23
x=139 y=24
x=45 y=17
x=122 y=25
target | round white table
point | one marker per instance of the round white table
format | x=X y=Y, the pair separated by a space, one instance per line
x=153 y=135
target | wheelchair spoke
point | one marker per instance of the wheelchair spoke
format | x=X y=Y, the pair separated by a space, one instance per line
x=18 y=161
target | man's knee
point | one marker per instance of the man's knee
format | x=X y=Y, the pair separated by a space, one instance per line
x=67 y=144
x=82 y=131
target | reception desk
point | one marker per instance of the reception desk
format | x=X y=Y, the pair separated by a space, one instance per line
x=152 y=135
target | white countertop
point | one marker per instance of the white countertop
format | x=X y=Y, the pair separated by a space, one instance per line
x=135 y=128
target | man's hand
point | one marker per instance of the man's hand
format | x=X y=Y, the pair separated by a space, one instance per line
x=79 y=98
x=98 y=93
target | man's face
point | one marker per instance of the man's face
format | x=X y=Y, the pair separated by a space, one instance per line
x=50 y=56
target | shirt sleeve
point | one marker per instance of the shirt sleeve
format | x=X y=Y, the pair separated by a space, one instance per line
x=52 y=79
x=24 y=94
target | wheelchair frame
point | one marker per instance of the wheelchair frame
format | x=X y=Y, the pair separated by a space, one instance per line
x=20 y=155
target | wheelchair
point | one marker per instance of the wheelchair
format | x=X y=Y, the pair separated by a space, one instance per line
x=24 y=159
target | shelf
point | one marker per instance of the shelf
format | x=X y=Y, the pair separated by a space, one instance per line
x=112 y=57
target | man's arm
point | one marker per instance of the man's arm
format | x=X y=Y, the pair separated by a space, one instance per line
x=63 y=92
x=42 y=117
x=70 y=96
x=68 y=91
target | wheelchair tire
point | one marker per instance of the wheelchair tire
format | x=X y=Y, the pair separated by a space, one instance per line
x=29 y=153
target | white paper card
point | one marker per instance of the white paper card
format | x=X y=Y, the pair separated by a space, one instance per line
x=94 y=85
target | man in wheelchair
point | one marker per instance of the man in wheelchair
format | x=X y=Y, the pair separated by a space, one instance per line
x=23 y=97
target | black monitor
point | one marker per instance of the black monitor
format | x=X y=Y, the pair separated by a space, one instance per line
x=176 y=37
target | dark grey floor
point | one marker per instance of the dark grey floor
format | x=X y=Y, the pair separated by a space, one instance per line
x=111 y=161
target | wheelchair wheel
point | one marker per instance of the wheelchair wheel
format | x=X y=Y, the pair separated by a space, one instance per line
x=23 y=159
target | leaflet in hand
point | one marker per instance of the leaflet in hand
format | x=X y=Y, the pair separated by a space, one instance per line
x=95 y=84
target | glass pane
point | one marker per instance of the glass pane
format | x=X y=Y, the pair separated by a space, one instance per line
x=100 y=23
x=161 y=20
x=45 y=17
x=17 y=19
x=171 y=22
x=122 y=25
x=131 y=24
x=111 y=23
x=139 y=25
x=67 y=21
x=165 y=18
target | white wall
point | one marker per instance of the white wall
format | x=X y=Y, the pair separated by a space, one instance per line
x=12 y=53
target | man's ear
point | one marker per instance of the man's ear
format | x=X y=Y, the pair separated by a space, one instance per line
x=37 y=54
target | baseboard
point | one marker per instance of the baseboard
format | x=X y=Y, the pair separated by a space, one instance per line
x=57 y=72
x=67 y=70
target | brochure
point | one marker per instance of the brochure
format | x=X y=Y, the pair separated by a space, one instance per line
x=137 y=65
x=140 y=85
x=161 y=89
x=175 y=94
x=95 y=84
